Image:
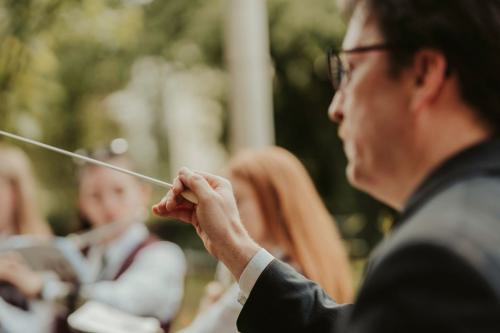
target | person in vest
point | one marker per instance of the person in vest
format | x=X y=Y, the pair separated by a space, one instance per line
x=130 y=269
x=283 y=212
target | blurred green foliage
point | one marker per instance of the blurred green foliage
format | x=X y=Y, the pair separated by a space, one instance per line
x=60 y=58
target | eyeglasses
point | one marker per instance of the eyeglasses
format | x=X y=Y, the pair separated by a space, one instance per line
x=338 y=71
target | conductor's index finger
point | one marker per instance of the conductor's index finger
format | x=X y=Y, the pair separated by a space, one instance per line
x=197 y=184
x=214 y=180
x=177 y=186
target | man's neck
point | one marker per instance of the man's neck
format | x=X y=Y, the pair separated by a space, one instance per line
x=437 y=146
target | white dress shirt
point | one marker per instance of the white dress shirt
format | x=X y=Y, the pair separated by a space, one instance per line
x=219 y=317
x=40 y=316
x=152 y=286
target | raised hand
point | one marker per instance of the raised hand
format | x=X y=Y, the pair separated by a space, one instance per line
x=215 y=217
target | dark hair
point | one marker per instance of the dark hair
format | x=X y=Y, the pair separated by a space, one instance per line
x=467 y=32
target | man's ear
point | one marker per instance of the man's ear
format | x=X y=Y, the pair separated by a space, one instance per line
x=429 y=70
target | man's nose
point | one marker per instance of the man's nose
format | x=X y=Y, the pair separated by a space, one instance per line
x=335 y=110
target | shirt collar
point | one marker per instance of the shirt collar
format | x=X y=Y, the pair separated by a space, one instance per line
x=118 y=251
x=477 y=160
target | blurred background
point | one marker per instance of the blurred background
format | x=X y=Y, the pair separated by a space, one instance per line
x=178 y=83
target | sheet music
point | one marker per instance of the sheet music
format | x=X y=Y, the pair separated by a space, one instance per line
x=41 y=256
x=95 y=317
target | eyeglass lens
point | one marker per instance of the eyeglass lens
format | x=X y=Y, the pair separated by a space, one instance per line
x=336 y=70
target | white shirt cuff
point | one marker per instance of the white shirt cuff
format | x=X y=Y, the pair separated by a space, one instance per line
x=251 y=273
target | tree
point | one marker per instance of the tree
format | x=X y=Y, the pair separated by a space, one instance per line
x=60 y=59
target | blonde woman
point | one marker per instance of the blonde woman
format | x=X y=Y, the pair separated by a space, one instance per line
x=283 y=212
x=19 y=212
x=21 y=222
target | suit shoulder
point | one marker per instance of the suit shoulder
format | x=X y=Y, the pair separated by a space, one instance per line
x=467 y=212
x=463 y=220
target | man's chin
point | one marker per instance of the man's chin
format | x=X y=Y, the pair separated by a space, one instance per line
x=356 y=177
x=351 y=173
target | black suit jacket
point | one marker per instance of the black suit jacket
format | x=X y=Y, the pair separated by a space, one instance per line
x=438 y=271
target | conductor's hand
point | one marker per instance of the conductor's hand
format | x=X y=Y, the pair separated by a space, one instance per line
x=215 y=217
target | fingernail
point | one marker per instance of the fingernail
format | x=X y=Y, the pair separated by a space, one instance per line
x=169 y=202
x=186 y=171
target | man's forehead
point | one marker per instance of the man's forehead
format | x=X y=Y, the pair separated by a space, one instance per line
x=362 y=29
